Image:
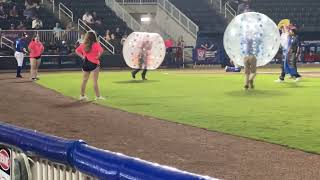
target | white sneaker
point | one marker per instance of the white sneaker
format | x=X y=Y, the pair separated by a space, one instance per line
x=297 y=79
x=279 y=81
x=83 y=98
x=99 y=98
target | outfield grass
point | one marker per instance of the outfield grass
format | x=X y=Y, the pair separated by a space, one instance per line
x=286 y=114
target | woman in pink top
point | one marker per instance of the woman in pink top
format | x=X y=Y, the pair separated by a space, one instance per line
x=90 y=51
x=36 y=49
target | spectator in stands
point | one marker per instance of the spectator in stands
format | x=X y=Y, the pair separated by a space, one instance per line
x=36 y=49
x=179 y=52
x=90 y=52
x=94 y=16
x=37 y=23
x=64 y=49
x=14 y=12
x=244 y=6
x=87 y=18
x=21 y=26
x=123 y=39
x=71 y=26
x=52 y=48
x=31 y=9
x=169 y=44
x=12 y=27
x=112 y=39
x=3 y=14
x=107 y=37
x=57 y=31
x=118 y=34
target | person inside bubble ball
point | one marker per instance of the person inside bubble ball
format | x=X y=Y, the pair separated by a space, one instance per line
x=143 y=58
x=250 y=48
x=290 y=46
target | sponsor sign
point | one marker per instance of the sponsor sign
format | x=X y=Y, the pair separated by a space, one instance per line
x=5 y=163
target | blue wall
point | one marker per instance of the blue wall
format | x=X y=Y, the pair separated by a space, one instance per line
x=87 y=159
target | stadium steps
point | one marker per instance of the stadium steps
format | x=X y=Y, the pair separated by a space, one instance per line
x=109 y=19
x=208 y=19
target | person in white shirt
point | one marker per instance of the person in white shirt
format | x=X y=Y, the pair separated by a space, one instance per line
x=37 y=23
x=57 y=31
x=87 y=18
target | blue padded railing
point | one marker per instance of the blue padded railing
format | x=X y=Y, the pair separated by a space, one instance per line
x=90 y=160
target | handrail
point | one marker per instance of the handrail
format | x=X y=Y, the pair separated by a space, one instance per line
x=103 y=42
x=99 y=163
x=219 y=2
x=66 y=11
x=106 y=44
x=124 y=15
x=5 y=44
x=172 y=10
x=229 y=9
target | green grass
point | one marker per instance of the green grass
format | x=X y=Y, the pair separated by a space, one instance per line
x=286 y=114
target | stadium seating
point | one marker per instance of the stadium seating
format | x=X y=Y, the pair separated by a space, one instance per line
x=202 y=14
x=109 y=19
x=43 y=14
x=303 y=13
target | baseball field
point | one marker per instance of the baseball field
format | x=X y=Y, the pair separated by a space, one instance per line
x=281 y=113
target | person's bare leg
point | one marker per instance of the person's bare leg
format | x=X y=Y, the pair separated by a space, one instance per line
x=32 y=67
x=85 y=78
x=253 y=72
x=38 y=62
x=95 y=81
x=246 y=72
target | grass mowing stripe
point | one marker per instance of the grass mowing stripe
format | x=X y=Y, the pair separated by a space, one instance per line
x=279 y=113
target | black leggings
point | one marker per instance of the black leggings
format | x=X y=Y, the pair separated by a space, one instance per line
x=144 y=72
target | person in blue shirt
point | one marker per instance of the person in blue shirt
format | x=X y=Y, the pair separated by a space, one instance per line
x=21 y=49
x=290 y=46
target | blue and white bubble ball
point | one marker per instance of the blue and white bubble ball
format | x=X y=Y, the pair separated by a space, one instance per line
x=256 y=28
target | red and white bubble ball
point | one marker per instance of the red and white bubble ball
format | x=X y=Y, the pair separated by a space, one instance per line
x=143 y=50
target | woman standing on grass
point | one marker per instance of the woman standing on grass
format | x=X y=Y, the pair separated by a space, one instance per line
x=90 y=51
x=36 y=49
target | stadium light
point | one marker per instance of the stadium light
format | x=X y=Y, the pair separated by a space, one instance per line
x=145 y=19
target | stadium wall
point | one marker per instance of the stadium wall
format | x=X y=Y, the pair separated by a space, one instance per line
x=91 y=162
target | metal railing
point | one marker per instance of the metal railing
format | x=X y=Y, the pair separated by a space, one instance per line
x=124 y=15
x=229 y=11
x=213 y=3
x=137 y=1
x=46 y=157
x=172 y=10
x=44 y=169
x=6 y=42
x=44 y=35
x=66 y=11
x=82 y=26
x=106 y=44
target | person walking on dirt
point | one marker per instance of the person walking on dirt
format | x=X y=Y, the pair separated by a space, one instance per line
x=90 y=52
x=20 y=47
x=36 y=49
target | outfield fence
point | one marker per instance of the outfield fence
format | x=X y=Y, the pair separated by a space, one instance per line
x=27 y=154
